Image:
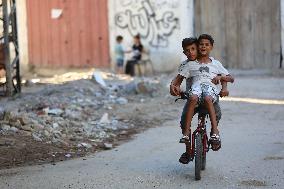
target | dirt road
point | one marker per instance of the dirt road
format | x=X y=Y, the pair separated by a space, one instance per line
x=252 y=154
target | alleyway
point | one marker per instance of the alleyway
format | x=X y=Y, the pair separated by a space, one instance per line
x=252 y=153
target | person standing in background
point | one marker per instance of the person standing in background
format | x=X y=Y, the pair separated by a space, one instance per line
x=119 y=55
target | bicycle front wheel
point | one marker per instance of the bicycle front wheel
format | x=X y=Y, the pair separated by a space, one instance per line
x=198 y=156
x=204 y=152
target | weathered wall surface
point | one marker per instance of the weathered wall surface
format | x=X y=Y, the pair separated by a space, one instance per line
x=68 y=33
x=282 y=32
x=247 y=33
x=162 y=24
x=22 y=35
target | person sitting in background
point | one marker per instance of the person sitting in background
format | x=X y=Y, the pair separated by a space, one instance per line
x=137 y=50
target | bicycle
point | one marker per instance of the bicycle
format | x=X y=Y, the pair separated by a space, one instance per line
x=199 y=141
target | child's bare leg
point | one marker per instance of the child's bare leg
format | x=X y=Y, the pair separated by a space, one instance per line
x=209 y=105
x=189 y=114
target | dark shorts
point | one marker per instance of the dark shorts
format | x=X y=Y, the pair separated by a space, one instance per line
x=119 y=62
x=201 y=110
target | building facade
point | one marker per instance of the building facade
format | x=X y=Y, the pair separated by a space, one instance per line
x=67 y=33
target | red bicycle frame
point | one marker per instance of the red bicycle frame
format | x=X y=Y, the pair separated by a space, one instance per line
x=201 y=128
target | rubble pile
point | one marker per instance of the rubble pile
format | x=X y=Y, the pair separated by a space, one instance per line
x=77 y=114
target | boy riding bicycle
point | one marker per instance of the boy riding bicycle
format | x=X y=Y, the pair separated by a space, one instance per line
x=203 y=76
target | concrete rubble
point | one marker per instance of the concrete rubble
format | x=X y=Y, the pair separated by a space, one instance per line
x=76 y=114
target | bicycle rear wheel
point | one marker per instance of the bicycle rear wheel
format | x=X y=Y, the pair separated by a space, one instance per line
x=198 y=156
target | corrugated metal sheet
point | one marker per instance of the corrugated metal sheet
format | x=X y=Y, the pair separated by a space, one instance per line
x=77 y=38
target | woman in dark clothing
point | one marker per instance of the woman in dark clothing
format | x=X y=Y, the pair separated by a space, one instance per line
x=137 y=50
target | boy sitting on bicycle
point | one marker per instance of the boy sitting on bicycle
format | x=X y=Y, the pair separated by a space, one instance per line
x=203 y=75
x=190 y=49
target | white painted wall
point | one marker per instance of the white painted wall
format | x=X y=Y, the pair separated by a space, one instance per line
x=22 y=35
x=162 y=24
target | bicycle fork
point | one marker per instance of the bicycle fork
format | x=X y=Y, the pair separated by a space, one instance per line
x=202 y=130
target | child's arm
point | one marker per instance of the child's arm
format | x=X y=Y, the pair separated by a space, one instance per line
x=223 y=79
x=175 y=85
x=224 y=91
x=227 y=78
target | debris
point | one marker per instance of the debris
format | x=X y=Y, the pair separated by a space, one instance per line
x=55 y=125
x=99 y=79
x=7 y=142
x=2 y=113
x=36 y=137
x=141 y=87
x=14 y=129
x=68 y=155
x=104 y=119
x=55 y=111
x=107 y=146
x=26 y=128
x=6 y=127
x=74 y=113
x=122 y=100
x=85 y=145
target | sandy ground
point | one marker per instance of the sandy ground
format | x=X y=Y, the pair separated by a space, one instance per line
x=252 y=154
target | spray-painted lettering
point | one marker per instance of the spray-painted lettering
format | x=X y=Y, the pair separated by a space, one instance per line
x=145 y=22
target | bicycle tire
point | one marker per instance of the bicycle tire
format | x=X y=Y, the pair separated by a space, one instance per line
x=198 y=156
x=204 y=154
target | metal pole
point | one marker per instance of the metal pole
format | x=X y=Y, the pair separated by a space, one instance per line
x=9 y=85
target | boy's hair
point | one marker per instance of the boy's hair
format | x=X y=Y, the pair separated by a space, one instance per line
x=137 y=36
x=119 y=38
x=188 y=41
x=206 y=36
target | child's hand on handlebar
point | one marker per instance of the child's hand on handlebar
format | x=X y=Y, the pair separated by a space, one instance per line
x=175 y=90
x=224 y=92
x=216 y=80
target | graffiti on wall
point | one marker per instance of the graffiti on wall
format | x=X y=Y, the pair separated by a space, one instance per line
x=143 y=20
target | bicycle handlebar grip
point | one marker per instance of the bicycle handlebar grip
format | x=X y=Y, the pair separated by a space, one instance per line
x=184 y=95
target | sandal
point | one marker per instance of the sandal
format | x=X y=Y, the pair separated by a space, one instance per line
x=184 y=139
x=185 y=158
x=215 y=142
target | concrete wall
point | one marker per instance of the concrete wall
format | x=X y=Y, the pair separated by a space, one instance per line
x=282 y=33
x=162 y=24
x=22 y=35
x=247 y=33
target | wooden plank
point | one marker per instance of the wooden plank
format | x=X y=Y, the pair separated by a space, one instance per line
x=44 y=32
x=88 y=33
x=65 y=34
x=95 y=36
x=34 y=33
x=85 y=33
x=104 y=40
x=55 y=35
x=75 y=32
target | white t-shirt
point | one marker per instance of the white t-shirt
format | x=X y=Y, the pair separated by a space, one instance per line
x=202 y=73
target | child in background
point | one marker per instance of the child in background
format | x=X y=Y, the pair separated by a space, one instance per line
x=119 y=55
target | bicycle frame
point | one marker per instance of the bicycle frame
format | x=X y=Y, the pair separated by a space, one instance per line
x=201 y=128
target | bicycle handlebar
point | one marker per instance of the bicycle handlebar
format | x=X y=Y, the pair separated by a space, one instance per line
x=183 y=96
